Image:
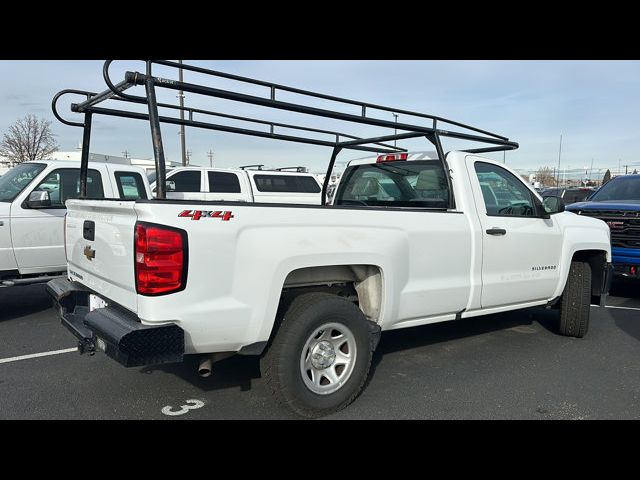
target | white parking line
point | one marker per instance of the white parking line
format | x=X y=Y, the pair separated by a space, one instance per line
x=622 y=308
x=36 y=355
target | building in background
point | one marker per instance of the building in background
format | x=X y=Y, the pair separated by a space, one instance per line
x=147 y=163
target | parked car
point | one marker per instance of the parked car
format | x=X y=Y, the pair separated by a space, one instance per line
x=617 y=203
x=243 y=185
x=568 y=195
x=32 y=211
x=407 y=241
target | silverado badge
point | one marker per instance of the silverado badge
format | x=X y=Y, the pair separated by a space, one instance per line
x=89 y=252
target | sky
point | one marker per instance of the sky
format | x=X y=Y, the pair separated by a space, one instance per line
x=592 y=104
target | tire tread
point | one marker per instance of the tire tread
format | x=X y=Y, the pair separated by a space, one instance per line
x=576 y=300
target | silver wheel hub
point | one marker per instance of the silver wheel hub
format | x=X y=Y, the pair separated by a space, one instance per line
x=328 y=358
x=323 y=355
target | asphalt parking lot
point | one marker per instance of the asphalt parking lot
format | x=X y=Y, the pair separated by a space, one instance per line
x=506 y=366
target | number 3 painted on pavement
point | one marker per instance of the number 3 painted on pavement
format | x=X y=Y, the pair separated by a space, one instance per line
x=184 y=408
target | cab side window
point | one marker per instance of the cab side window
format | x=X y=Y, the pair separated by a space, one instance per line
x=186 y=181
x=64 y=183
x=130 y=186
x=503 y=193
x=222 y=182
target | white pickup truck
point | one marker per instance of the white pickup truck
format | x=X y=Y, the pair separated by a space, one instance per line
x=408 y=240
x=32 y=210
x=243 y=185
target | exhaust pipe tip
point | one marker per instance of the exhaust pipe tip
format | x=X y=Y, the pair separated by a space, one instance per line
x=205 y=368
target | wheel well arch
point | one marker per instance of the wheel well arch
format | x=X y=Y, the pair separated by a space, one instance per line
x=361 y=283
x=597 y=260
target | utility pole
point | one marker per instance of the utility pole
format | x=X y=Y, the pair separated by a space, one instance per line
x=626 y=169
x=125 y=154
x=395 y=130
x=504 y=156
x=188 y=157
x=210 y=155
x=559 y=153
x=182 y=139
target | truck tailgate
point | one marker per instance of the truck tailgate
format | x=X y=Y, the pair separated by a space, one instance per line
x=100 y=248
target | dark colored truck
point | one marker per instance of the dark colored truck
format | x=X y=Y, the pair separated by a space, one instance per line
x=618 y=204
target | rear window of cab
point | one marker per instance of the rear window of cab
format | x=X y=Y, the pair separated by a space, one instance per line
x=417 y=184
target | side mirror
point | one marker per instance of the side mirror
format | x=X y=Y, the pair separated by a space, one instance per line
x=38 y=199
x=171 y=186
x=553 y=205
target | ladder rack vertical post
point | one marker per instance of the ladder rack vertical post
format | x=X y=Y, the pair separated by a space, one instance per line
x=84 y=157
x=156 y=135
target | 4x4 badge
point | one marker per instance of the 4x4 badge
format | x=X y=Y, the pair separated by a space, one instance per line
x=89 y=252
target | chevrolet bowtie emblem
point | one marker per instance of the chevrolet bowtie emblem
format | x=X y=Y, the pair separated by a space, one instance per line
x=89 y=252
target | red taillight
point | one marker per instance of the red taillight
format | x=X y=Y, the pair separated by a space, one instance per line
x=160 y=259
x=393 y=157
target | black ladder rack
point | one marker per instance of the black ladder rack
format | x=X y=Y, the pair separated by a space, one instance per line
x=338 y=142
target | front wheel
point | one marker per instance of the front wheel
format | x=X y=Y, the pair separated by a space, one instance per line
x=575 y=301
x=320 y=357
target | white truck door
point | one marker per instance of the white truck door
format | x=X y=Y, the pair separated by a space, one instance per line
x=189 y=185
x=7 y=258
x=38 y=233
x=520 y=251
x=226 y=186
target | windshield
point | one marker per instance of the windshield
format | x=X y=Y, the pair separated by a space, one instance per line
x=16 y=180
x=620 y=189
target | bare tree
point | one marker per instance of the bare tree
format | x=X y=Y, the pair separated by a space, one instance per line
x=29 y=138
x=545 y=176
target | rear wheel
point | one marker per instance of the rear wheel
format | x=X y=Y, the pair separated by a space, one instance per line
x=320 y=356
x=575 y=301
